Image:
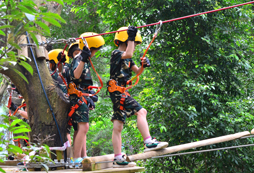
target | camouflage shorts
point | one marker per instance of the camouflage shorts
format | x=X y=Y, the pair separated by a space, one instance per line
x=80 y=115
x=131 y=106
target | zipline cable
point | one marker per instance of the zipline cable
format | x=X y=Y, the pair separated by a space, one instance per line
x=175 y=19
x=202 y=151
x=72 y=40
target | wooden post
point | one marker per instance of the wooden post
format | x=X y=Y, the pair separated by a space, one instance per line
x=40 y=51
x=45 y=50
x=187 y=146
x=89 y=164
x=24 y=50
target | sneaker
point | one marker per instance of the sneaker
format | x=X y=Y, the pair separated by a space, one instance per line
x=155 y=145
x=85 y=157
x=122 y=163
x=76 y=164
x=20 y=164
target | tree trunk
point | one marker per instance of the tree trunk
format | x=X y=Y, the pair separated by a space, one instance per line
x=40 y=117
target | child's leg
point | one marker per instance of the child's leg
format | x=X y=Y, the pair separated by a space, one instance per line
x=79 y=139
x=142 y=123
x=116 y=136
x=83 y=151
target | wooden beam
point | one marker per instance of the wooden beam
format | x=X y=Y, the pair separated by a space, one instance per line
x=10 y=162
x=90 y=164
x=187 y=146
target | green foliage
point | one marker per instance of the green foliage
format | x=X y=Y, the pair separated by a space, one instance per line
x=17 y=19
x=200 y=84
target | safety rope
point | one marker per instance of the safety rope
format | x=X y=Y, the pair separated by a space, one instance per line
x=202 y=151
x=94 y=87
x=72 y=40
x=58 y=63
x=21 y=106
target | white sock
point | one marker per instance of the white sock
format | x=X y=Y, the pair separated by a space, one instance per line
x=148 y=140
x=118 y=157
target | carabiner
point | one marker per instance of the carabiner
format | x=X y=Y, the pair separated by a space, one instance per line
x=158 y=28
x=85 y=42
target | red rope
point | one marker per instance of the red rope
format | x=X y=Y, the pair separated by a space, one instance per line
x=58 y=64
x=171 y=20
x=157 y=23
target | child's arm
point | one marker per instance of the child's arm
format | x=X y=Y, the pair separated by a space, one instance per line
x=132 y=31
x=137 y=70
x=85 y=54
x=129 y=51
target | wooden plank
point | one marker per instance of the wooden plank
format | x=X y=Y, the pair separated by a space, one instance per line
x=121 y=170
x=11 y=169
x=187 y=146
x=89 y=164
x=252 y=132
x=10 y=162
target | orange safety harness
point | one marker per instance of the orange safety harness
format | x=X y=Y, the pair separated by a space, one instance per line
x=9 y=105
x=112 y=84
x=72 y=89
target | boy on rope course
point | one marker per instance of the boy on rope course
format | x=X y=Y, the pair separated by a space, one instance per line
x=56 y=58
x=124 y=106
x=79 y=83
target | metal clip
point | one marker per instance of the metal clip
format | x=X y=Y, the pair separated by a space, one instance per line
x=158 y=28
x=85 y=42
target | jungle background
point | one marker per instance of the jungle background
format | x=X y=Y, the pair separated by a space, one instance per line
x=199 y=85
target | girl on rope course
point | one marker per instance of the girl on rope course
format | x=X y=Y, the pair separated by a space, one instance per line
x=124 y=106
x=79 y=81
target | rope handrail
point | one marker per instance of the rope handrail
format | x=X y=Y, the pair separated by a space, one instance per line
x=72 y=40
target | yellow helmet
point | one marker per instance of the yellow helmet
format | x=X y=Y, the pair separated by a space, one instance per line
x=123 y=36
x=54 y=53
x=93 y=42
x=72 y=48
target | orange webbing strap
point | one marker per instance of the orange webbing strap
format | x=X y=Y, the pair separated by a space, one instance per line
x=74 y=108
x=19 y=144
x=27 y=142
x=18 y=140
x=23 y=105
x=142 y=58
x=142 y=68
x=63 y=79
x=122 y=100
x=95 y=87
x=9 y=102
x=58 y=64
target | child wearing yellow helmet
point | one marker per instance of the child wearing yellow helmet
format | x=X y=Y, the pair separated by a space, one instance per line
x=81 y=77
x=124 y=106
x=55 y=57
